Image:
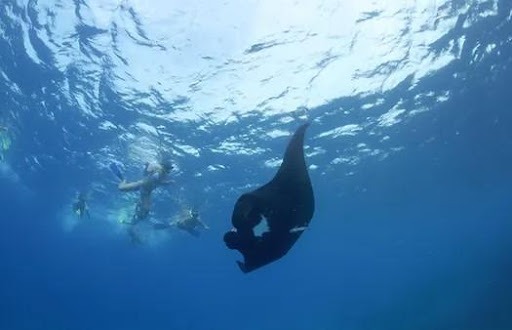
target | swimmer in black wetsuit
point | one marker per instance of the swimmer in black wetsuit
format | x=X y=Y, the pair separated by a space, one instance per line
x=80 y=206
x=188 y=221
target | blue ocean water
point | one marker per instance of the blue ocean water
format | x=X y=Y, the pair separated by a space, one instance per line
x=409 y=151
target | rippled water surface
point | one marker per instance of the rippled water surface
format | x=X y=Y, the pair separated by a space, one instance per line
x=409 y=151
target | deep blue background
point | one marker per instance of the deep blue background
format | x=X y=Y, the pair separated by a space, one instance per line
x=418 y=241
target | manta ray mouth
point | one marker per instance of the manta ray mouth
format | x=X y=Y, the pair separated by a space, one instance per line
x=262 y=227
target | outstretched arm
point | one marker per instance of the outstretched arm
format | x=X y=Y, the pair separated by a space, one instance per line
x=166 y=182
x=130 y=186
x=205 y=226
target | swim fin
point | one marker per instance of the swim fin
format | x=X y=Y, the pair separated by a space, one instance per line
x=117 y=172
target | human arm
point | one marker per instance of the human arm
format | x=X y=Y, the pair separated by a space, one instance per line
x=202 y=224
x=167 y=182
x=130 y=186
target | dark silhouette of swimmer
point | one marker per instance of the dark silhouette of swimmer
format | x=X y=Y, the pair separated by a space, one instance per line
x=188 y=221
x=286 y=203
x=80 y=206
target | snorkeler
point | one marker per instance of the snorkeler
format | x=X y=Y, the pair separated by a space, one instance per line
x=5 y=142
x=189 y=221
x=155 y=175
x=80 y=206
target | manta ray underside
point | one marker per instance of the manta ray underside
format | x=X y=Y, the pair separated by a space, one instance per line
x=286 y=203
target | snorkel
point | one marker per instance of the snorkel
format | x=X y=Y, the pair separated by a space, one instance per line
x=157 y=170
x=145 y=171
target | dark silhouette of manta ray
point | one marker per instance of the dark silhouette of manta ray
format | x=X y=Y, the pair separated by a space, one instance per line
x=287 y=204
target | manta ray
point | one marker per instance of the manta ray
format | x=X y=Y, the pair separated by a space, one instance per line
x=286 y=203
